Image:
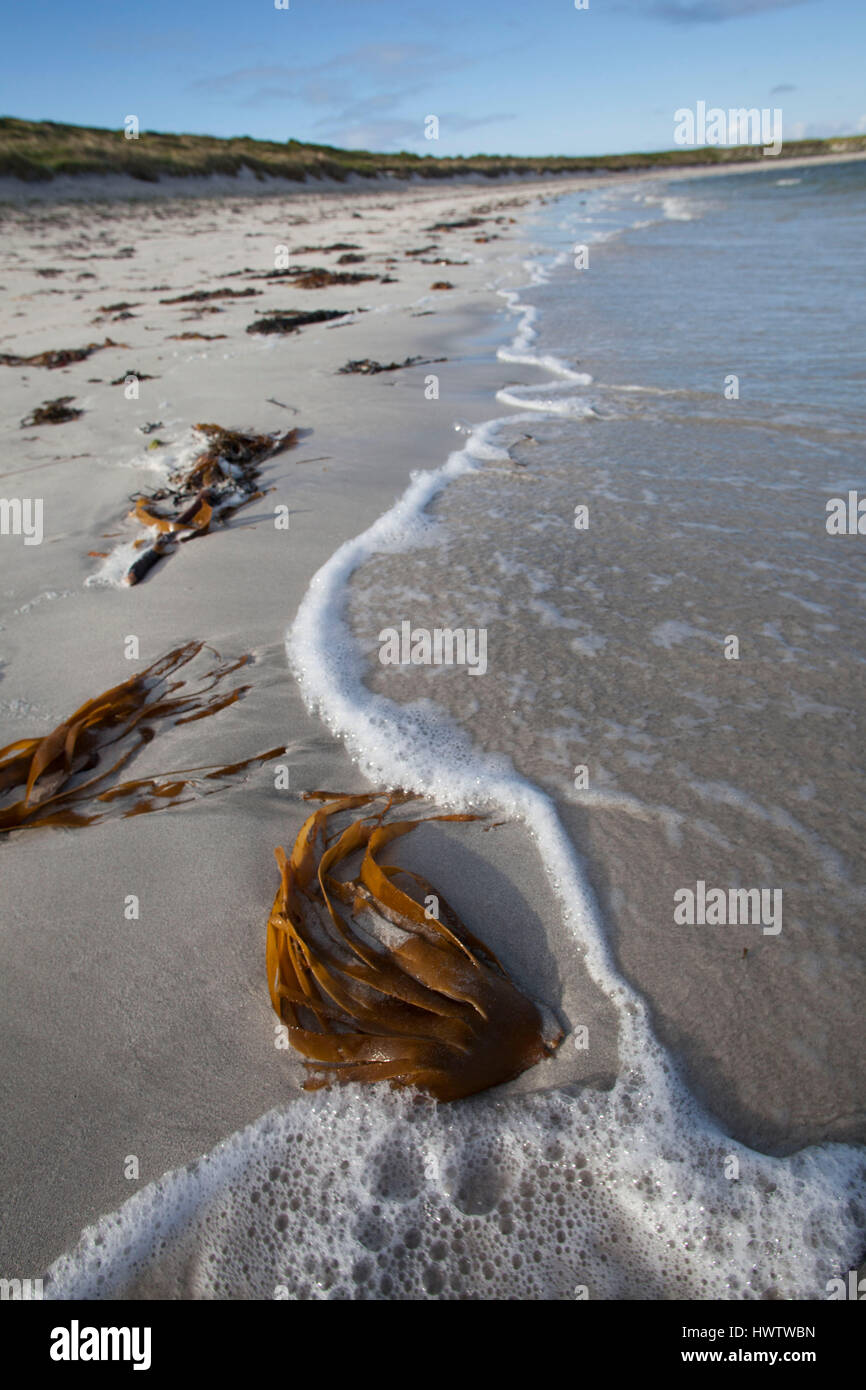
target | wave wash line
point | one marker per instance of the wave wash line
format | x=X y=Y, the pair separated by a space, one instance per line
x=418 y=745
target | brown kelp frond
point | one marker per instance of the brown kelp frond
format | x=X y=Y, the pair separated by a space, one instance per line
x=54 y=412
x=56 y=357
x=220 y=480
x=375 y=981
x=41 y=778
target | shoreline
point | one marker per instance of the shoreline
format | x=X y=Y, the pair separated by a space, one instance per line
x=74 y=188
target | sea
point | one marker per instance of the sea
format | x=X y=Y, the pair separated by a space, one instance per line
x=656 y=530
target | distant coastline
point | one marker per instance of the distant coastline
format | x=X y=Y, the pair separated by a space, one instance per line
x=38 y=152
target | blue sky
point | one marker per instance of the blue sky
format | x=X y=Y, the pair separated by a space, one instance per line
x=502 y=76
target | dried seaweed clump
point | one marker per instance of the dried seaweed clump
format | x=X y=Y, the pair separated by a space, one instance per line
x=56 y=357
x=315 y=277
x=199 y=296
x=290 y=320
x=41 y=778
x=454 y=226
x=367 y=366
x=370 y=986
x=188 y=337
x=223 y=478
x=54 y=412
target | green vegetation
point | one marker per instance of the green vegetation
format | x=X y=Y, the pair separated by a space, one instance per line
x=38 y=150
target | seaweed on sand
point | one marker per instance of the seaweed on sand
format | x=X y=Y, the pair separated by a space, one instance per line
x=54 y=412
x=220 y=480
x=133 y=371
x=370 y=986
x=335 y=246
x=56 y=357
x=455 y=226
x=315 y=277
x=41 y=778
x=198 y=296
x=367 y=366
x=290 y=320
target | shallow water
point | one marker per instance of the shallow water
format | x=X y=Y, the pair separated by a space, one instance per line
x=606 y=646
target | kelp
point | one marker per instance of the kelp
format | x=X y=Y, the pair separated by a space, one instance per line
x=367 y=366
x=41 y=778
x=369 y=985
x=442 y=285
x=198 y=296
x=290 y=320
x=335 y=246
x=456 y=226
x=221 y=479
x=55 y=412
x=139 y=376
x=56 y=357
x=188 y=337
x=315 y=277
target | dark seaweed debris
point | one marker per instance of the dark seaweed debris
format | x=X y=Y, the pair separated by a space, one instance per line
x=40 y=777
x=139 y=376
x=335 y=246
x=291 y=320
x=56 y=357
x=436 y=1011
x=54 y=412
x=198 y=296
x=442 y=285
x=314 y=277
x=366 y=366
x=455 y=226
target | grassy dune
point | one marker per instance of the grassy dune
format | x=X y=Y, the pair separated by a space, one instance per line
x=36 y=151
